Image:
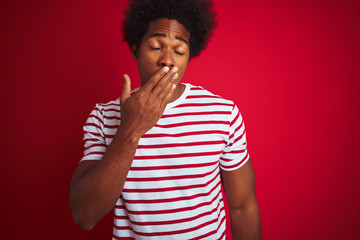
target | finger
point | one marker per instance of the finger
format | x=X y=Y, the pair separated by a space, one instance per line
x=126 y=89
x=166 y=95
x=166 y=82
x=153 y=81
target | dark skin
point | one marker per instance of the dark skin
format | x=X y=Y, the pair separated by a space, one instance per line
x=162 y=59
x=239 y=187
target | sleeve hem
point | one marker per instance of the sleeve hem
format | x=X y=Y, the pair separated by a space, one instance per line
x=237 y=166
x=89 y=159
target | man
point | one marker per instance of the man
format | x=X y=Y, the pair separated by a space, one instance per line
x=159 y=155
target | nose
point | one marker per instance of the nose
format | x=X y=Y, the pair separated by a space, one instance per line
x=166 y=59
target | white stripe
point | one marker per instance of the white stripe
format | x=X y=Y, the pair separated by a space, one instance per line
x=216 y=145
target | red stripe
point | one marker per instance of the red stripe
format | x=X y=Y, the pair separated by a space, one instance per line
x=223 y=235
x=235 y=119
x=196 y=165
x=93 y=125
x=236 y=129
x=189 y=144
x=94 y=153
x=167 y=200
x=165 y=211
x=95 y=145
x=202 y=104
x=212 y=232
x=122 y=238
x=238 y=139
x=168 y=189
x=242 y=134
x=112 y=109
x=96 y=117
x=197 y=88
x=237 y=164
x=203 y=96
x=91 y=140
x=94 y=133
x=184 y=134
x=112 y=117
x=196 y=114
x=238 y=151
x=176 y=231
x=156 y=179
x=177 y=220
x=170 y=232
x=124 y=228
x=111 y=126
x=226 y=159
x=190 y=123
x=115 y=102
x=182 y=155
x=158 y=135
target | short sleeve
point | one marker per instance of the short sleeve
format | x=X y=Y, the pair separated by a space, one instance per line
x=94 y=137
x=235 y=153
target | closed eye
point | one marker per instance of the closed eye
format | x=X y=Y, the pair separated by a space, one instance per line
x=179 y=53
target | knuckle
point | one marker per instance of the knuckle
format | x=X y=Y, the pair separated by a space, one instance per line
x=153 y=81
x=136 y=95
x=138 y=99
x=161 y=84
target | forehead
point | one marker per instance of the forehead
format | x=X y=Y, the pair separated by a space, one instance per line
x=169 y=27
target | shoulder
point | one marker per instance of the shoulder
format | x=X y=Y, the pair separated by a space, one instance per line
x=114 y=104
x=102 y=113
x=111 y=108
x=198 y=92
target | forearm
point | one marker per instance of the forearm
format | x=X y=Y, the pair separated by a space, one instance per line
x=96 y=187
x=94 y=194
x=246 y=223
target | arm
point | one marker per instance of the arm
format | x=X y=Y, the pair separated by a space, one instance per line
x=96 y=185
x=239 y=186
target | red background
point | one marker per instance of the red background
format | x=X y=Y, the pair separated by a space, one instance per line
x=291 y=66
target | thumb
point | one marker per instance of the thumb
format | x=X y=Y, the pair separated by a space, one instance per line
x=126 y=89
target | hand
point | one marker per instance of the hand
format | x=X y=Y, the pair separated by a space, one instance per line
x=141 y=111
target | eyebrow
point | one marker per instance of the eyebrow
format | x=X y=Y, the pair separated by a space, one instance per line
x=164 y=35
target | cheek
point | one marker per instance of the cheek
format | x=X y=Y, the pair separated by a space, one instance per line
x=181 y=72
x=146 y=69
x=183 y=69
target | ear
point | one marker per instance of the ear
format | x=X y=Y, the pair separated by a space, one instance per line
x=134 y=52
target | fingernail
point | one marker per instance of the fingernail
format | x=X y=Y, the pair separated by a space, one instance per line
x=175 y=76
x=174 y=86
x=166 y=69
x=174 y=69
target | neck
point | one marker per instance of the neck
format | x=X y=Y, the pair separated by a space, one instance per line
x=178 y=91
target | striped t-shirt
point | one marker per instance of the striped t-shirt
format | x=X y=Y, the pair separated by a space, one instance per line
x=173 y=188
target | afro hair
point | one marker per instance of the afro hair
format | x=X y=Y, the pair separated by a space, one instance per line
x=196 y=15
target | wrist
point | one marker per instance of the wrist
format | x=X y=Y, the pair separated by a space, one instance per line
x=125 y=136
x=123 y=145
